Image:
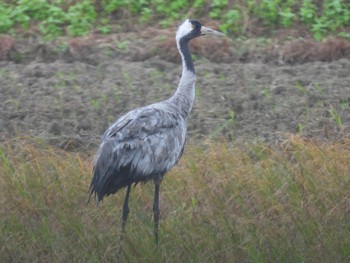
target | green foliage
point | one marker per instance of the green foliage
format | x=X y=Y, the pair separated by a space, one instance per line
x=336 y=117
x=308 y=12
x=268 y=11
x=287 y=17
x=58 y=17
x=113 y=5
x=336 y=14
x=6 y=21
x=217 y=7
x=52 y=26
x=27 y=10
x=80 y=17
x=52 y=18
x=232 y=22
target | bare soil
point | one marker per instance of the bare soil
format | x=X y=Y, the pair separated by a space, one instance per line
x=70 y=90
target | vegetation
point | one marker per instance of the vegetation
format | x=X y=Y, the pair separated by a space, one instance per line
x=79 y=17
x=223 y=203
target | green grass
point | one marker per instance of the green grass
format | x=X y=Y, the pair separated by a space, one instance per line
x=222 y=203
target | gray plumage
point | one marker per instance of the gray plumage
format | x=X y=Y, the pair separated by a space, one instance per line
x=145 y=143
x=142 y=145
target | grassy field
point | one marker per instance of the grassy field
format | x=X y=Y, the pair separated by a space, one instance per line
x=222 y=203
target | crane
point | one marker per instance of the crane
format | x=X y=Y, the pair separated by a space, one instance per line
x=145 y=143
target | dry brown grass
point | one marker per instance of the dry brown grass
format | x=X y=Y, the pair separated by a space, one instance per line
x=7 y=46
x=144 y=42
x=222 y=203
x=308 y=50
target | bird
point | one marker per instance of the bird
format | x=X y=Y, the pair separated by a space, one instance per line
x=145 y=143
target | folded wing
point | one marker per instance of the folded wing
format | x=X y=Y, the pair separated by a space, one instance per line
x=142 y=145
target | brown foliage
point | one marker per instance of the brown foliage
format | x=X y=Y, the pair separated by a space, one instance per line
x=305 y=50
x=7 y=46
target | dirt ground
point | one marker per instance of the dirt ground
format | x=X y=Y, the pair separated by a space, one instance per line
x=69 y=91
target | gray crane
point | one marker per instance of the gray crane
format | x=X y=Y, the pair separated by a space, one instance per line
x=145 y=143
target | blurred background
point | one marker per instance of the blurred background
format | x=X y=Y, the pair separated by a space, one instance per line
x=70 y=68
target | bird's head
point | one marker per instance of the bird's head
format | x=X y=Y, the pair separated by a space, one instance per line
x=190 y=29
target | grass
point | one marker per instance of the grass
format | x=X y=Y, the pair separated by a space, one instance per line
x=222 y=203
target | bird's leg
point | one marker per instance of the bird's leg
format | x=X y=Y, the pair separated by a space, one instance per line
x=156 y=210
x=126 y=209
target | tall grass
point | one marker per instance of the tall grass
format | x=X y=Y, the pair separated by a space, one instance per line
x=222 y=203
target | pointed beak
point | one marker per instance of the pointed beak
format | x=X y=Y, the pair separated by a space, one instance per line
x=208 y=31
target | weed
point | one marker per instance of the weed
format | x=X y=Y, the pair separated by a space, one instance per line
x=222 y=76
x=108 y=52
x=95 y=103
x=156 y=74
x=127 y=78
x=228 y=124
x=318 y=87
x=344 y=35
x=122 y=45
x=301 y=88
x=14 y=104
x=103 y=26
x=267 y=93
x=345 y=103
x=300 y=128
x=336 y=117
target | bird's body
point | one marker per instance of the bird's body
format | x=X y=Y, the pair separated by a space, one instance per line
x=142 y=145
x=145 y=143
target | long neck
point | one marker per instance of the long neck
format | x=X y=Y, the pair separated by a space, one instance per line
x=184 y=50
x=184 y=95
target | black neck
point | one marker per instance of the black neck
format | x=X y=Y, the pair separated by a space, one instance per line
x=186 y=55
